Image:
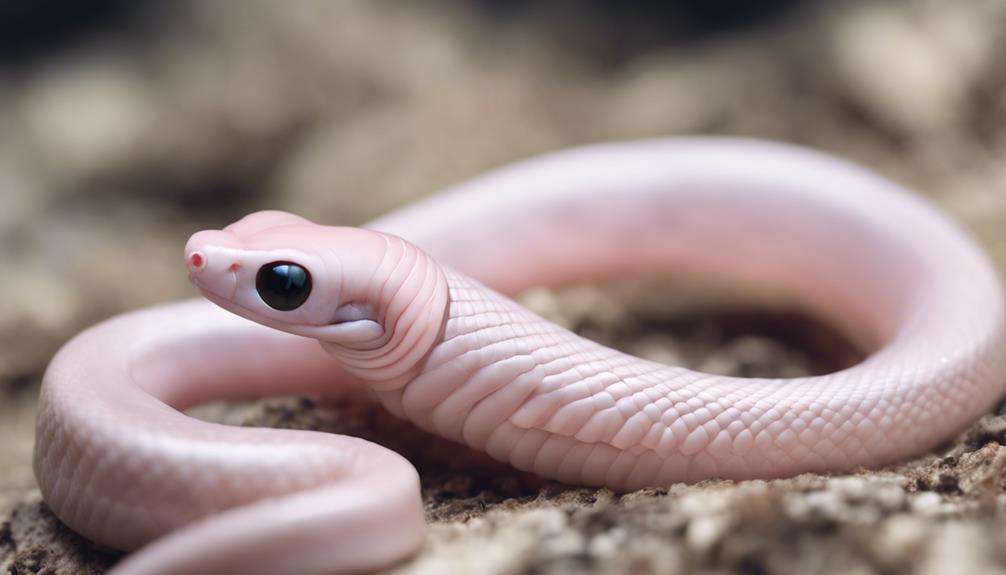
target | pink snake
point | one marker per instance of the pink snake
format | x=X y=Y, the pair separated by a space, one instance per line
x=118 y=463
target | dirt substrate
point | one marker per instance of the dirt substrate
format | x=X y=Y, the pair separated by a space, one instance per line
x=113 y=150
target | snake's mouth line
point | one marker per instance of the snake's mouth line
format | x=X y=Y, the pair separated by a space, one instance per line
x=248 y=313
x=304 y=330
x=194 y=278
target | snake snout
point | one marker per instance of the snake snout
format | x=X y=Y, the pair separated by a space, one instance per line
x=210 y=258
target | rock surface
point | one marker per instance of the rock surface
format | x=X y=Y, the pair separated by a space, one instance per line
x=113 y=150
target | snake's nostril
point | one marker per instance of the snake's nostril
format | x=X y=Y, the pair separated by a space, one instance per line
x=197 y=261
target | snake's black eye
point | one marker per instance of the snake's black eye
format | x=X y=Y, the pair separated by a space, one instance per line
x=283 y=285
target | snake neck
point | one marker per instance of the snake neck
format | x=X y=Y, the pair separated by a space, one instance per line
x=408 y=294
x=482 y=368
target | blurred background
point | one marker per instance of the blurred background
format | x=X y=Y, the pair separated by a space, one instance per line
x=127 y=125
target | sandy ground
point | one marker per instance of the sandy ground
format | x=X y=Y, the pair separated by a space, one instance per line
x=112 y=152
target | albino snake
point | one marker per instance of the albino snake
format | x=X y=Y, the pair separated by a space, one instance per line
x=118 y=463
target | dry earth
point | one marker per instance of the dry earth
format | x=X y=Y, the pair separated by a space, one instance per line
x=114 y=149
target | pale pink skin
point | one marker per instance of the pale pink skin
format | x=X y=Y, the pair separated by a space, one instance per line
x=119 y=464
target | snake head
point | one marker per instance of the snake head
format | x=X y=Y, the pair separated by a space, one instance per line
x=291 y=274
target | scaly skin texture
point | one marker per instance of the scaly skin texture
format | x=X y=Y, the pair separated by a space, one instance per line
x=118 y=463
